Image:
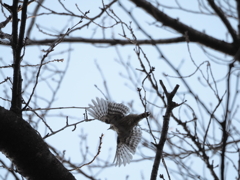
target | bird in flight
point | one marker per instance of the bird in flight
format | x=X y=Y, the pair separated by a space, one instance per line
x=125 y=124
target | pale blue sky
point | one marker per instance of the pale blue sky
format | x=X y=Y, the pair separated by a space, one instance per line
x=78 y=88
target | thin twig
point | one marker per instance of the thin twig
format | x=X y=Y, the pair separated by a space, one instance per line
x=99 y=150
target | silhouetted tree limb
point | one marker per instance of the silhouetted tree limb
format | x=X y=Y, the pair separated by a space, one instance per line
x=193 y=34
x=221 y=15
x=166 y=118
x=17 y=45
x=27 y=150
x=103 y=41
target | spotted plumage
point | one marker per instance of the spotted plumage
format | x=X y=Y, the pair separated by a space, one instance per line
x=126 y=126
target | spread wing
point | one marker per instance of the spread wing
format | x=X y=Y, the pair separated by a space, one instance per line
x=105 y=110
x=126 y=148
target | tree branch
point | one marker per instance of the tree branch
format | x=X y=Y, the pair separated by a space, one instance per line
x=104 y=41
x=166 y=118
x=16 y=102
x=27 y=150
x=238 y=13
x=221 y=15
x=193 y=34
x=224 y=123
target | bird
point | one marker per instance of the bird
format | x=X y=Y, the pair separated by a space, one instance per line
x=124 y=124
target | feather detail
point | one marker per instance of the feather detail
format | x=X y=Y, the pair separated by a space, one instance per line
x=126 y=126
x=117 y=109
x=102 y=109
x=126 y=149
x=99 y=110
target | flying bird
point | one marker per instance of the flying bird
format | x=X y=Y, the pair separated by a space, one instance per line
x=125 y=124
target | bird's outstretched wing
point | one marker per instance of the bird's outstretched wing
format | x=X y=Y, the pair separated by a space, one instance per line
x=103 y=110
x=126 y=148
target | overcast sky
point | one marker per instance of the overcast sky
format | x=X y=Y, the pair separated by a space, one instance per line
x=77 y=88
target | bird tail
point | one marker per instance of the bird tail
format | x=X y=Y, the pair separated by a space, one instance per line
x=144 y=115
x=141 y=116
